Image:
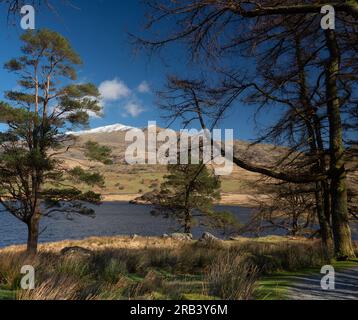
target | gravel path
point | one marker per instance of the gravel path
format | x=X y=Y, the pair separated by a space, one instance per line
x=309 y=287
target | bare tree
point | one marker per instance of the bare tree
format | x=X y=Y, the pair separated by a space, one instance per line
x=265 y=30
x=290 y=208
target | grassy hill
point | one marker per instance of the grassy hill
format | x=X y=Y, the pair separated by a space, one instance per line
x=126 y=182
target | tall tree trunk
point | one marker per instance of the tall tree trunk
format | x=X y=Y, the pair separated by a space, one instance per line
x=340 y=218
x=294 y=225
x=187 y=222
x=33 y=233
x=325 y=229
x=313 y=127
x=327 y=202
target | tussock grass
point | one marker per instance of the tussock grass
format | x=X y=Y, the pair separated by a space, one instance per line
x=231 y=277
x=152 y=268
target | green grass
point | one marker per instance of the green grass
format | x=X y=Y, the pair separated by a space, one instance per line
x=345 y=264
x=273 y=287
x=7 y=295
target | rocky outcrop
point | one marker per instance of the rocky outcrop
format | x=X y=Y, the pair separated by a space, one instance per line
x=76 y=252
x=207 y=237
x=181 y=236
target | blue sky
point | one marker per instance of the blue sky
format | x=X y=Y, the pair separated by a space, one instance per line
x=98 y=30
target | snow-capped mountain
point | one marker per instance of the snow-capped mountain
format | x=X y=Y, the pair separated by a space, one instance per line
x=106 y=129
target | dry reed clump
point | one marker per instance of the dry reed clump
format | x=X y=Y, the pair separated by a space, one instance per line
x=231 y=277
x=272 y=257
x=109 y=291
x=54 y=288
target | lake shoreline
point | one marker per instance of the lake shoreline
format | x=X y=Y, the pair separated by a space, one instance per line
x=139 y=242
x=229 y=199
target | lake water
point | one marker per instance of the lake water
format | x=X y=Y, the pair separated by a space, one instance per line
x=112 y=218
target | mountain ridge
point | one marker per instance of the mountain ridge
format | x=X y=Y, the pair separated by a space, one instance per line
x=103 y=129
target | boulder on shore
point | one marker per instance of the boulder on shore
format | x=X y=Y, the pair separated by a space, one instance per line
x=182 y=236
x=209 y=238
x=76 y=252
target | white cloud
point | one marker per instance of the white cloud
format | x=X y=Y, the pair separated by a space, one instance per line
x=112 y=90
x=115 y=90
x=93 y=115
x=144 y=87
x=133 y=109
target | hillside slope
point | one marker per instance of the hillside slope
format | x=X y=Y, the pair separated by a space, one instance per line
x=126 y=182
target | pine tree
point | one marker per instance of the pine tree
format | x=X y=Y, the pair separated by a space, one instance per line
x=34 y=182
x=187 y=193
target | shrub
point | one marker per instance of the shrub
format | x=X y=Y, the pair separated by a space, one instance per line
x=114 y=270
x=231 y=278
x=72 y=267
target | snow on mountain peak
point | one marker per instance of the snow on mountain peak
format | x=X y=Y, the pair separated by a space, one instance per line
x=107 y=129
